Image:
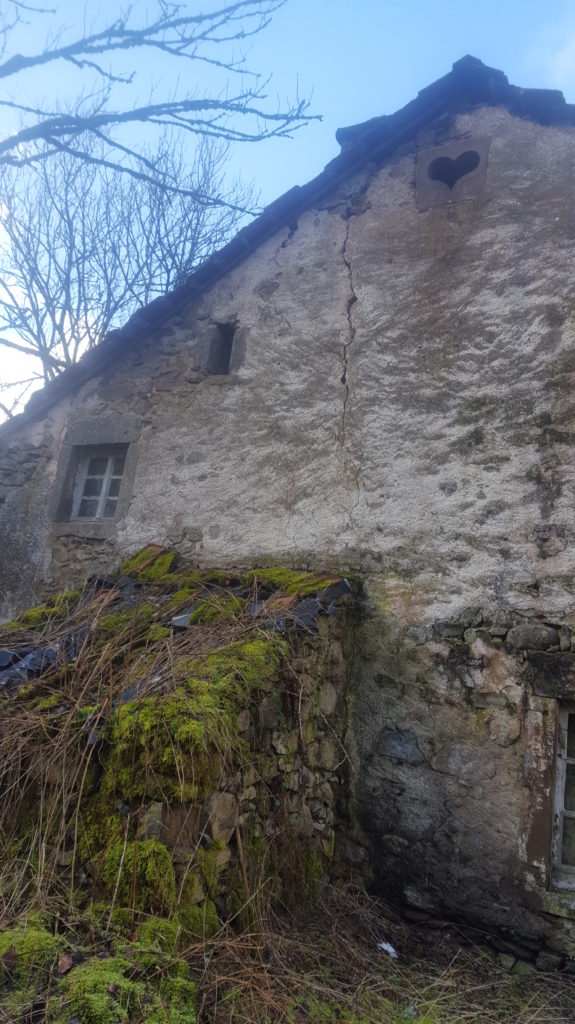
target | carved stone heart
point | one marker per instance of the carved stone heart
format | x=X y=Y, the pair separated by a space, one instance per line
x=449 y=171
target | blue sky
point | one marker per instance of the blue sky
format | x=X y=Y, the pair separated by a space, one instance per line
x=362 y=59
x=353 y=60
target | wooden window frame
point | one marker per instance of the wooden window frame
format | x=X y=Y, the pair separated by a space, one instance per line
x=563 y=875
x=86 y=454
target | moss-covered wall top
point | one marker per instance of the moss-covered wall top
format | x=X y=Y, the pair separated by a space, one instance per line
x=170 y=761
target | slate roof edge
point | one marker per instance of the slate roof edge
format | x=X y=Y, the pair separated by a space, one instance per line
x=470 y=83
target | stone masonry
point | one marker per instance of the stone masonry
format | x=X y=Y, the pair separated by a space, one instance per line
x=400 y=405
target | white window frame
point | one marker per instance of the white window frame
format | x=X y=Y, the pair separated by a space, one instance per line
x=97 y=453
x=563 y=875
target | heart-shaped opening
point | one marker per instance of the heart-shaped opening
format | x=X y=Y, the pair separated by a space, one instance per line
x=449 y=171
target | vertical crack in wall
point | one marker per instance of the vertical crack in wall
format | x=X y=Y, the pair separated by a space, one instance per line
x=351 y=330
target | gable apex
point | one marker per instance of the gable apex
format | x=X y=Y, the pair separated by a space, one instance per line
x=469 y=84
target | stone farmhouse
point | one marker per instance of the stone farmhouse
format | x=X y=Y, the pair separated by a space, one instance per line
x=376 y=376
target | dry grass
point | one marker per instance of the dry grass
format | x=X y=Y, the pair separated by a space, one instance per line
x=326 y=968
x=45 y=758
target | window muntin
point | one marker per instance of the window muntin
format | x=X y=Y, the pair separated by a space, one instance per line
x=98 y=483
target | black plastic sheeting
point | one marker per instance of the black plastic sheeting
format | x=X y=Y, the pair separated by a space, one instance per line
x=307 y=611
x=303 y=615
x=20 y=665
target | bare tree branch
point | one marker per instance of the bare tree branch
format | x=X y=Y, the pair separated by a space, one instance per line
x=173 y=33
x=83 y=247
x=101 y=210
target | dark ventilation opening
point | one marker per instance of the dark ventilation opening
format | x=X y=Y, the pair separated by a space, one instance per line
x=449 y=171
x=220 y=351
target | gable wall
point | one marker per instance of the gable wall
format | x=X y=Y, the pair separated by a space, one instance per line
x=442 y=467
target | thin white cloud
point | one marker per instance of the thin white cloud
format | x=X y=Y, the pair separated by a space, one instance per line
x=550 y=62
x=561 y=68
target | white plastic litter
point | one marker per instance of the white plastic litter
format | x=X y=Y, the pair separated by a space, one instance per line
x=387 y=948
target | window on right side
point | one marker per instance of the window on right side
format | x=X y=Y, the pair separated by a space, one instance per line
x=564 y=816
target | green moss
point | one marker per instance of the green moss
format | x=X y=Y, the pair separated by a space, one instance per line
x=290 y=581
x=145 y=880
x=126 y=990
x=194 y=579
x=157 y=633
x=160 y=934
x=165 y=747
x=255 y=663
x=65 y=601
x=53 y=700
x=34 y=617
x=34 y=951
x=7 y=628
x=137 y=618
x=149 y=564
x=210 y=868
x=171 y=746
x=157 y=944
x=178 y=1003
x=56 y=607
x=158 y=570
x=200 y=920
x=217 y=607
x=182 y=595
x=186 y=579
x=98 y=828
x=97 y=992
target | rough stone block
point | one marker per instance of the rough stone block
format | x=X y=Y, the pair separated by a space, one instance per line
x=532 y=637
x=221 y=813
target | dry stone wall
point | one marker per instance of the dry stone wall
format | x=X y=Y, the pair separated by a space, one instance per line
x=181 y=736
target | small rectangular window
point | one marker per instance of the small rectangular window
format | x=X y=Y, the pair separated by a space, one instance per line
x=98 y=482
x=220 y=350
x=564 y=817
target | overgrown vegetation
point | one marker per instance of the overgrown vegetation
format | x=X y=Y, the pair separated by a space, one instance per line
x=103 y=918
